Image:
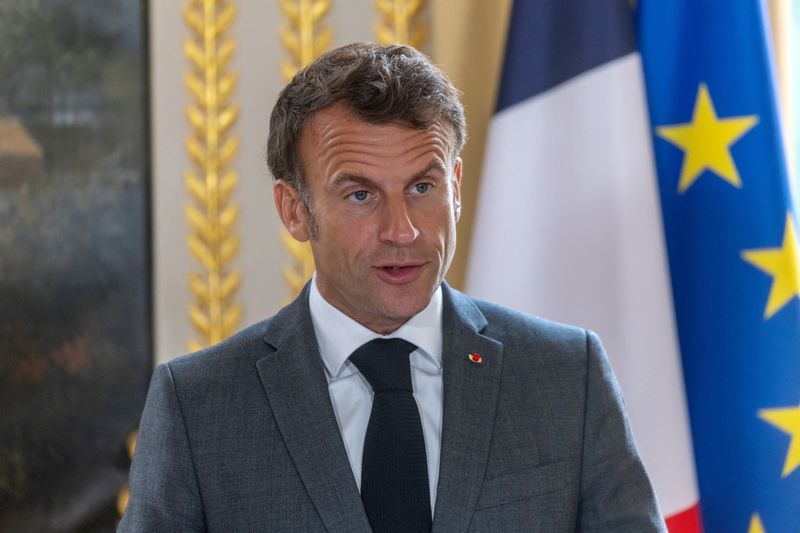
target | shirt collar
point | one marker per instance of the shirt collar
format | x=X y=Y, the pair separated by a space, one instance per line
x=338 y=335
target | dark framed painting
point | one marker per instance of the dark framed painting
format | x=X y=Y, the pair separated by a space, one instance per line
x=75 y=270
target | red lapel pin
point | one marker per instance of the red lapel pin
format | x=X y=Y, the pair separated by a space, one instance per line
x=475 y=358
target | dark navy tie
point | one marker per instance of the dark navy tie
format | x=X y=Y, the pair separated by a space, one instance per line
x=394 y=470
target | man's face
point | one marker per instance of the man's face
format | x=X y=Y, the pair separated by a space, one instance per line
x=385 y=200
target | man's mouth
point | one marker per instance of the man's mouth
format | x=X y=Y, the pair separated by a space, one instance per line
x=399 y=273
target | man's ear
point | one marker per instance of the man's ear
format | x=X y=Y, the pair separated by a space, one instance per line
x=291 y=209
x=457 y=187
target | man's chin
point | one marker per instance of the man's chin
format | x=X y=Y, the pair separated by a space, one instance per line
x=399 y=308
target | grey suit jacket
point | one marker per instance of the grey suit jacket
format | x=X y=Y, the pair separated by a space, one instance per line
x=242 y=436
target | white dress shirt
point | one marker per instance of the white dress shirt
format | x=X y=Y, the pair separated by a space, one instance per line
x=338 y=336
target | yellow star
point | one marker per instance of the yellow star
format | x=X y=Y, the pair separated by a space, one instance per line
x=783 y=264
x=755 y=524
x=787 y=419
x=706 y=141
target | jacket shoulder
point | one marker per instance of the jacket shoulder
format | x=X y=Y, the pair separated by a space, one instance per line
x=514 y=328
x=531 y=344
x=234 y=355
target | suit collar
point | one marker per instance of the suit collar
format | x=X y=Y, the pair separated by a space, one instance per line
x=281 y=327
x=338 y=335
x=294 y=380
x=462 y=308
x=471 y=392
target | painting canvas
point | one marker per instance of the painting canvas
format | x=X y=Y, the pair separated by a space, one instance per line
x=75 y=309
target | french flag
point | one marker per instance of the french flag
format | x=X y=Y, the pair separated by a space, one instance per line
x=569 y=224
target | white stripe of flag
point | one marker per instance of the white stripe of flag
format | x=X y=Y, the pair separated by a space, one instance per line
x=569 y=227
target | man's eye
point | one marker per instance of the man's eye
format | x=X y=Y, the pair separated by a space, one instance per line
x=359 y=196
x=422 y=188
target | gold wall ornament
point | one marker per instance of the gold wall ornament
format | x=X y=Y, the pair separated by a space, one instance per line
x=124 y=493
x=215 y=312
x=399 y=22
x=304 y=37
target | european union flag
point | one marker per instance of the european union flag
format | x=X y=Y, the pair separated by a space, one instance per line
x=734 y=256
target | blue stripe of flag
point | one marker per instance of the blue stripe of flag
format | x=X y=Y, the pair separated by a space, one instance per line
x=551 y=41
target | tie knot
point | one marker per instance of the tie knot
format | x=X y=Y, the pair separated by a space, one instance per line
x=384 y=363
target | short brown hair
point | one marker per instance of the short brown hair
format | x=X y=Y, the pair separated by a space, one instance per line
x=378 y=84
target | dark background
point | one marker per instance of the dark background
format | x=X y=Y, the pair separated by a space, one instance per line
x=75 y=307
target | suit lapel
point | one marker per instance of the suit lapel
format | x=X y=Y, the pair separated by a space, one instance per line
x=471 y=393
x=294 y=381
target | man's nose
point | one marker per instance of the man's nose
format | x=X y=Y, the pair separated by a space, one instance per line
x=396 y=224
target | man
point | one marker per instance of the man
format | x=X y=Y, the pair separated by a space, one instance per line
x=301 y=423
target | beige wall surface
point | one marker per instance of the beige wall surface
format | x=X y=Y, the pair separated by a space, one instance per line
x=466 y=39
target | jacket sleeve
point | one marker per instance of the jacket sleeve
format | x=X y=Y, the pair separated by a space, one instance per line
x=616 y=494
x=164 y=494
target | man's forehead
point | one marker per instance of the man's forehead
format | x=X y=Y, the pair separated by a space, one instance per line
x=338 y=116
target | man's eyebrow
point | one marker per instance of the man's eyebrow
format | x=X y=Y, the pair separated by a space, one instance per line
x=367 y=182
x=436 y=164
x=353 y=178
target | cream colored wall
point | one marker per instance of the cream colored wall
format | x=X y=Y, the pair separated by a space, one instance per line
x=259 y=51
x=261 y=257
x=168 y=160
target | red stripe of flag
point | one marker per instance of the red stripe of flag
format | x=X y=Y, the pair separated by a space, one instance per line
x=687 y=521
